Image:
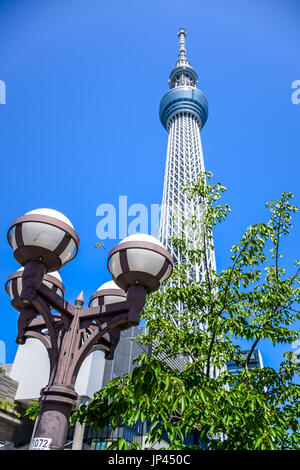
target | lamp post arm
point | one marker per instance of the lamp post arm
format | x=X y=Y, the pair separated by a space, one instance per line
x=34 y=330
x=99 y=313
x=27 y=314
x=96 y=333
x=56 y=301
x=43 y=309
x=39 y=323
x=55 y=334
x=102 y=345
x=110 y=321
x=136 y=297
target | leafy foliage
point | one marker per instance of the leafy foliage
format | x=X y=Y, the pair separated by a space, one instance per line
x=7 y=407
x=33 y=410
x=254 y=298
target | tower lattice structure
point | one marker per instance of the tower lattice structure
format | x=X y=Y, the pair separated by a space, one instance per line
x=183 y=112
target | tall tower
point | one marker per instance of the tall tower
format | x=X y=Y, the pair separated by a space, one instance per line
x=183 y=112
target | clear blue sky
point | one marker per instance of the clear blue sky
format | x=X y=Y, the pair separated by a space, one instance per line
x=80 y=126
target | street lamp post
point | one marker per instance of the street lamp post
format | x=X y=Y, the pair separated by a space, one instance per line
x=44 y=240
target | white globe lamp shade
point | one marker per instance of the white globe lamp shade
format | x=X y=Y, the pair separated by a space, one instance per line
x=107 y=294
x=140 y=259
x=45 y=235
x=13 y=285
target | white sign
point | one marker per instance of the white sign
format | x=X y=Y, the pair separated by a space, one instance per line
x=40 y=443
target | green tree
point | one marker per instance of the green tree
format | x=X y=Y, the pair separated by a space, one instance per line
x=33 y=410
x=255 y=298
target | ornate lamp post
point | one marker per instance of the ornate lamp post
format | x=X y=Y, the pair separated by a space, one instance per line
x=43 y=241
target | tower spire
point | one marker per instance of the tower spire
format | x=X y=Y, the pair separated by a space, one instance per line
x=182 y=48
x=183 y=73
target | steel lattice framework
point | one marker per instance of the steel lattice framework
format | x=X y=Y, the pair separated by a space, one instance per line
x=183 y=112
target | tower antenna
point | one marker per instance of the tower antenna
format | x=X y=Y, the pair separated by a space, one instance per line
x=182 y=48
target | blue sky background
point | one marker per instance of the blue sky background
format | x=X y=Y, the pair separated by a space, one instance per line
x=81 y=127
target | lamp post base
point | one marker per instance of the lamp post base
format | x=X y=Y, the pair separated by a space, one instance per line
x=57 y=402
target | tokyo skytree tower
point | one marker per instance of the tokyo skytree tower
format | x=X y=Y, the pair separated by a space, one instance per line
x=183 y=112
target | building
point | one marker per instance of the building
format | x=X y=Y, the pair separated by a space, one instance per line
x=125 y=353
x=9 y=417
x=183 y=112
x=255 y=362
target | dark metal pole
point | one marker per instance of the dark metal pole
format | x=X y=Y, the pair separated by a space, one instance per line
x=53 y=420
x=57 y=402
